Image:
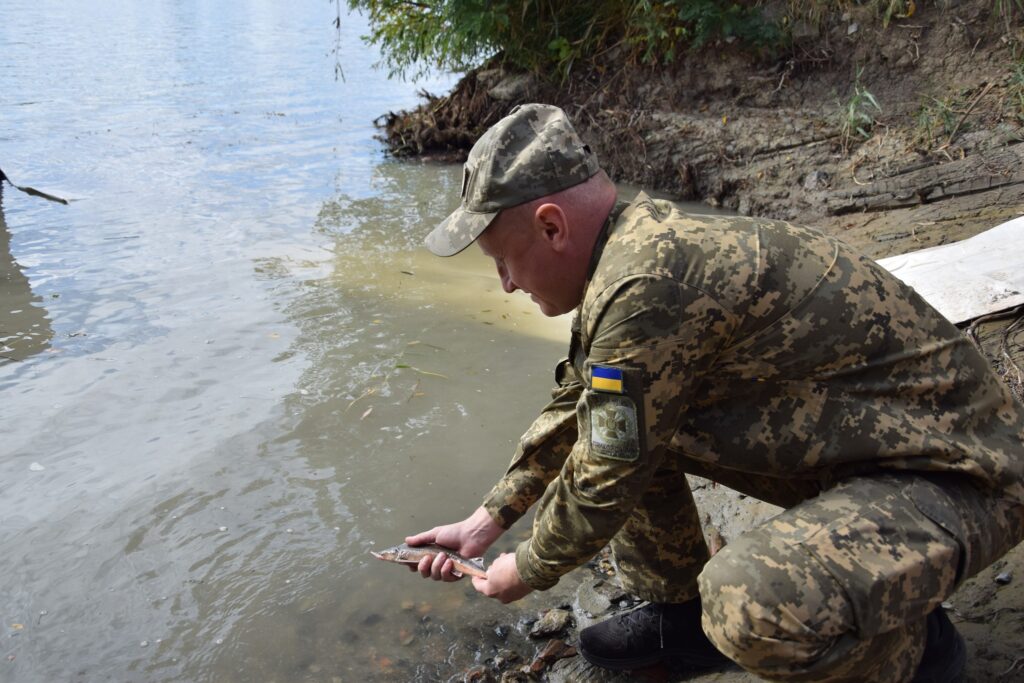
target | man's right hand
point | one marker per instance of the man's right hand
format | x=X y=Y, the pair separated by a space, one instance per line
x=470 y=538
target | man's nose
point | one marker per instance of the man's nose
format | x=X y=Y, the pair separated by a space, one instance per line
x=506 y=280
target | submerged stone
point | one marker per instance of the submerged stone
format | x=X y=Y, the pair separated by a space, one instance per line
x=552 y=623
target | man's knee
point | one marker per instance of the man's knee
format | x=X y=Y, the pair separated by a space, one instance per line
x=770 y=606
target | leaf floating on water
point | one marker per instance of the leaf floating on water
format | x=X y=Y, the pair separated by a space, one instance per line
x=405 y=366
x=17 y=627
x=369 y=392
x=414 y=392
x=367 y=413
x=406 y=272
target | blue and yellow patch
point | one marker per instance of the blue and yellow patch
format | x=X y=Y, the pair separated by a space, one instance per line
x=606 y=379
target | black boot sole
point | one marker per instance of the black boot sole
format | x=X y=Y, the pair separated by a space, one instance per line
x=689 y=659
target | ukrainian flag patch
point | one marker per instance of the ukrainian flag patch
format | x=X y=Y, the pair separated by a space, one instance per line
x=606 y=379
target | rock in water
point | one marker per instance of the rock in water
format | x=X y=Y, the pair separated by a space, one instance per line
x=552 y=623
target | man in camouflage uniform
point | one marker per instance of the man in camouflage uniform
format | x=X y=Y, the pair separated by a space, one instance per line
x=758 y=354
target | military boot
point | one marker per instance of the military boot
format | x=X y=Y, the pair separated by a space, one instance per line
x=945 y=654
x=649 y=634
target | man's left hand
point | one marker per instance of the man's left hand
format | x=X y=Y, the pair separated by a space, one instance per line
x=502 y=582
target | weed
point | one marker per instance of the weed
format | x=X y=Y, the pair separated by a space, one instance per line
x=1016 y=90
x=1007 y=11
x=936 y=119
x=859 y=114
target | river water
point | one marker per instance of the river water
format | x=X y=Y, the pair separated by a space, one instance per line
x=228 y=369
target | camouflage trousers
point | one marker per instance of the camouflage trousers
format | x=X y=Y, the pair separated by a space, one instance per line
x=837 y=587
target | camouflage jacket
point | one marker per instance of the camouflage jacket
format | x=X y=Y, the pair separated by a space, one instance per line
x=751 y=345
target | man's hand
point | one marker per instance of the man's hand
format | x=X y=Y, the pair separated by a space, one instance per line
x=502 y=582
x=470 y=538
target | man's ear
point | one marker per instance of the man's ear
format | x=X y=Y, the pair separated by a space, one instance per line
x=552 y=225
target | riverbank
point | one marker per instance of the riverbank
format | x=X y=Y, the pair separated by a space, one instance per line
x=892 y=137
x=938 y=159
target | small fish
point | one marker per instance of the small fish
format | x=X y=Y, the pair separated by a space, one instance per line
x=412 y=554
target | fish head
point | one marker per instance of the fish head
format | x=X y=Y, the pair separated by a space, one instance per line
x=388 y=554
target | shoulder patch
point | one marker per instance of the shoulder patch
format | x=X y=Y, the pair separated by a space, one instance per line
x=604 y=378
x=613 y=426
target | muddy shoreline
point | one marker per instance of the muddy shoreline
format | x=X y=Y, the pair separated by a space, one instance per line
x=940 y=161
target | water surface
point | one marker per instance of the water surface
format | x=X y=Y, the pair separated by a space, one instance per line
x=228 y=369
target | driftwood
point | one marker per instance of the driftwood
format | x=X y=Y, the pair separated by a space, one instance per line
x=916 y=185
x=30 y=190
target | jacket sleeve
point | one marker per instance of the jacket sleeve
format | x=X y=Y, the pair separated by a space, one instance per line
x=652 y=340
x=541 y=452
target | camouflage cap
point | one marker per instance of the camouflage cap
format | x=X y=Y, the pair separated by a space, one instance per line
x=531 y=153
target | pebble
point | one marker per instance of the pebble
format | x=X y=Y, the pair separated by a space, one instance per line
x=476 y=675
x=506 y=658
x=552 y=623
x=1004 y=578
x=552 y=652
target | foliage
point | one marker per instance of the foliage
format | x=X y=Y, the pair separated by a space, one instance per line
x=545 y=35
x=553 y=36
x=859 y=114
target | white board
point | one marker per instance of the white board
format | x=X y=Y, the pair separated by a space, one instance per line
x=971 y=278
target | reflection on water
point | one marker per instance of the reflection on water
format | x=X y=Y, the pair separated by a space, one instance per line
x=24 y=325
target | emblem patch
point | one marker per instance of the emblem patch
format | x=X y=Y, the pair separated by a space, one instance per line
x=613 y=426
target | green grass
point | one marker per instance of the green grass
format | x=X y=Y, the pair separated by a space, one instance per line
x=859 y=115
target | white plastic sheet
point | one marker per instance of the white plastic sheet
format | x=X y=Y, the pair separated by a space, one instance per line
x=971 y=278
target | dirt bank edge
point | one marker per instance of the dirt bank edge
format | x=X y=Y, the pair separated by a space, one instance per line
x=941 y=160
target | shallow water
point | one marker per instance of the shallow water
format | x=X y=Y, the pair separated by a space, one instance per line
x=228 y=367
